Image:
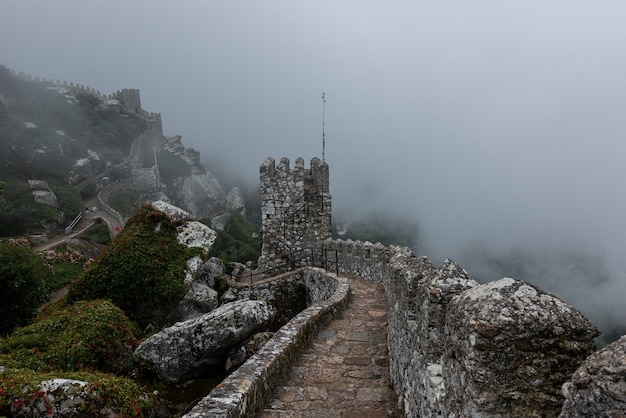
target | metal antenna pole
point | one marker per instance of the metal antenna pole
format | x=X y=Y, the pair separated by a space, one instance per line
x=323 y=128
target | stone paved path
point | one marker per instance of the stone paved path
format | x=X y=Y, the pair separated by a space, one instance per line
x=344 y=372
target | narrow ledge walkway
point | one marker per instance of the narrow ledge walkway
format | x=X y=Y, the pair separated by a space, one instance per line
x=344 y=371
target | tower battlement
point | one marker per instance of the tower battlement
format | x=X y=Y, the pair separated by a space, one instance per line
x=295 y=206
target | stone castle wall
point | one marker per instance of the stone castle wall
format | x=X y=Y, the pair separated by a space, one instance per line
x=129 y=98
x=459 y=348
x=295 y=206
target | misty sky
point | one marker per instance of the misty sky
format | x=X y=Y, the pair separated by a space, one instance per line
x=491 y=122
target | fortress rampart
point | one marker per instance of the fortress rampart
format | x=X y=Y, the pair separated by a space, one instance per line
x=129 y=98
x=457 y=348
x=460 y=348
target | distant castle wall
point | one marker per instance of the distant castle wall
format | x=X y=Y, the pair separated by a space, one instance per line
x=130 y=99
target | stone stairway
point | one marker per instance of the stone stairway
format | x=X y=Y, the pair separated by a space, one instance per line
x=344 y=372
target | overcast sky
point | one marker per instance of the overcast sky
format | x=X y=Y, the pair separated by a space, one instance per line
x=496 y=122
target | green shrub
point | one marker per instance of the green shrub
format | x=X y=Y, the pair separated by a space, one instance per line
x=93 y=335
x=142 y=270
x=23 y=283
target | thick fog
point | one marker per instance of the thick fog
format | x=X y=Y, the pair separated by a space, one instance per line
x=500 y=127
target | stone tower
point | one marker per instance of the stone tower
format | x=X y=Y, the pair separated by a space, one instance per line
x=295 y=210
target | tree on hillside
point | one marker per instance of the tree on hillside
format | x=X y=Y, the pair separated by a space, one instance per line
x=23 y=283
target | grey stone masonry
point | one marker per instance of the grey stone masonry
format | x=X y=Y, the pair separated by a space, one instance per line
x=295 y=208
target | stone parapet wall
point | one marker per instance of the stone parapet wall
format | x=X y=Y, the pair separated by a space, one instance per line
x=245 y=391
x=460 y=348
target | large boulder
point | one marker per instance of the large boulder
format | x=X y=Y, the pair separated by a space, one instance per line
x=187 y=349
x=598 y=387
x=511 y=346
x=201 y=296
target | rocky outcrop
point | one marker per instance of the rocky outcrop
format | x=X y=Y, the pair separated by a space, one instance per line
x=510 y=346
x=42 y=193
x=235 y=200
x=201 y=296
x=187 y=349
x=199 y=299
x=201 y=194
x=598 y=387
x=87 y=167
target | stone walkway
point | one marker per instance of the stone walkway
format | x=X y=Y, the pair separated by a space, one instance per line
x=344 y=372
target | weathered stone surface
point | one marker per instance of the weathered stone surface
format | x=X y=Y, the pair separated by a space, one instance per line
x=201 y=194
x=177 y=214
x=235 y=200
x=199 y=299
x=42 y=193
x=510 y=348
x=598 y=387
x=238 y=355
x=210 y=270
x=196 y=234
x=63 y=398
x=188 y=348
x=500 y=349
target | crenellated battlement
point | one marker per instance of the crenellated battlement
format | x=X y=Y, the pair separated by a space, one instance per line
x=129 y=99
x=295 y=207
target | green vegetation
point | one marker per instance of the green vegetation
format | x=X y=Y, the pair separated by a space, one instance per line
x=141 y=271
x=43 y=131
x=97 y=234
x=21 y=387
x=93 y=335
x=238 y=242
x=23 y=282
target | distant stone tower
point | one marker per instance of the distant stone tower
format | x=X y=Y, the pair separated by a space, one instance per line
x=129 y=99
x=295 y=209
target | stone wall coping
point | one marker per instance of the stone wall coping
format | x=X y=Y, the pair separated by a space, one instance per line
x=245 y=391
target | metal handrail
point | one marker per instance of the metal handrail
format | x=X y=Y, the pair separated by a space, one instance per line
x=70 y=227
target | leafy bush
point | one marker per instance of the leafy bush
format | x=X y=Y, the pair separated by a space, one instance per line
x=23 y=283
x=93 y=335
x=142 y=271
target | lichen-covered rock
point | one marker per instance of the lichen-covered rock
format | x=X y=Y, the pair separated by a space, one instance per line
x=58 y=398
x=511 y=346
x=177 y=214
x=188 y=348
x=196 y=235
x=598 y=387
x=199 y=299
x=201 y=194
x=210 y=270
